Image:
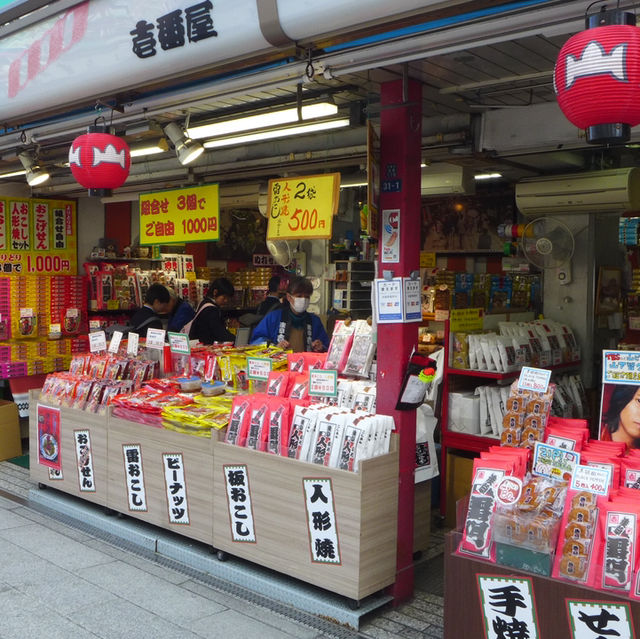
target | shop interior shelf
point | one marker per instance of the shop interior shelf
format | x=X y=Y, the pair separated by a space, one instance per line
x=124 y=259
x=498 y=376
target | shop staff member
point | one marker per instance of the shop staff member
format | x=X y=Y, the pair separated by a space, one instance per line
x=292 y=327
x=208 y=325
x=180 y=312
x=272 y=300
x=156 y=301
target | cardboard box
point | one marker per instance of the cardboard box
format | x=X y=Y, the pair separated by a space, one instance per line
x=10 y=442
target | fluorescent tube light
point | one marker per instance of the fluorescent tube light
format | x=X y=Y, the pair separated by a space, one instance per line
x=277 y=133
x=262 y=120
x=12 y=174
x=487 y=176
x=149 y=149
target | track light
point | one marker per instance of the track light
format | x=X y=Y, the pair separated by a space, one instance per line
x=35 y=173
x=187 y=149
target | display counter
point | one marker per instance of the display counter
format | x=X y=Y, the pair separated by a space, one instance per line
x=332 y=528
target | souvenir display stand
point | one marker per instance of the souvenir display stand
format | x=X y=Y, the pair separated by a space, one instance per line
x=463 y=615
x=69 y=480
x=363 y=513
x=365 y=505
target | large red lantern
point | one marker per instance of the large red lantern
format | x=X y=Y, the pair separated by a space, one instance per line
x=99 y=161
x=597 y=77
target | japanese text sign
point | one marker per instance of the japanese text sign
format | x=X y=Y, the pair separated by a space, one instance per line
x=534 y=379
x=176 y=486
x=591 y=479
x=466 y=319
x=302 y=207
x=84 y=458
x=597 y=619
x=239 y=500
x=321 y=517
x=179 y=343
x=553 y=462
x=323 y=383
x=181 y=215
x=389 y=301
x=136 y=495
x=258 y=368
x=621 y=367
x=508 y=607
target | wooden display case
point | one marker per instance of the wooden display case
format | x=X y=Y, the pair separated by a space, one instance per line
x=152 y=443
x=69 y=481
x=365 y=506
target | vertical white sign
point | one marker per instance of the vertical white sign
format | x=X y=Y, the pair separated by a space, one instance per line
x=132 y=343
x=176 y=486
x=508 y=607
x=134 y=474
x=595 y=619
x=239 y=500
x=321 y=518
x=390 y=237
x=84 y=457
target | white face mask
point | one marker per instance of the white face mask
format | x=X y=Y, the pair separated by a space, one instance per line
x=300 y=304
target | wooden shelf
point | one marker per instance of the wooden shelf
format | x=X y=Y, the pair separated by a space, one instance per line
x=467 y=372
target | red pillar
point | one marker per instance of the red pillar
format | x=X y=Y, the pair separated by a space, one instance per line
x=400 y=150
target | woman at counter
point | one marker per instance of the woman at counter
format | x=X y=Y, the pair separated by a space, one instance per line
x=208 y=325
x=292 y=326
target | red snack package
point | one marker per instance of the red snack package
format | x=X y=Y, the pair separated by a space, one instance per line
x=300 y=386
x=278 y=383
x=258 y=422
x=238 y=421
x=279 y=426
x=295 y=362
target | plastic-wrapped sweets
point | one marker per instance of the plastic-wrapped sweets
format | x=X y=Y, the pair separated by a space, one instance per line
x=362 y=351
x=339 y=346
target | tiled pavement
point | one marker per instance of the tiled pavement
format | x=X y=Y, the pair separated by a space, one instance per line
x=57 y=581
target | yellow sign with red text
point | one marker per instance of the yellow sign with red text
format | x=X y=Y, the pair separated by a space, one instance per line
x=180 y=215
x=38 y=237
x=303 y=207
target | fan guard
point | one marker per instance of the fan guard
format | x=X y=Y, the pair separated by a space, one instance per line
x=547 y=243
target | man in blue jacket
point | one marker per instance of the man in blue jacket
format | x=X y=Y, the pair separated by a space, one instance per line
x=292 y=326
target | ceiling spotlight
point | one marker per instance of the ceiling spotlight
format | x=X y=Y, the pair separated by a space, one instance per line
x=187 y=149
x=35 y=173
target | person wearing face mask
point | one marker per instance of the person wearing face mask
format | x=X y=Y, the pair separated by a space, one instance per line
x=292 y=327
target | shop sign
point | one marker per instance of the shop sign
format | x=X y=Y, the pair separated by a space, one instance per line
x=84 y=457
x=236 y=480
x=508 y=607
x=49 y=437
x=302 y=207
x=621 y=367
x=136 y=495
x=175 y=483
x=180 y=215
x=323 y=383
x=553 y=462
x=465 y=319
x=321 y=518
x=597 y=619
x=262 y=259
x=38 y=237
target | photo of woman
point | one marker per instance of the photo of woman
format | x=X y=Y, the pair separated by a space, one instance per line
x=620 y=418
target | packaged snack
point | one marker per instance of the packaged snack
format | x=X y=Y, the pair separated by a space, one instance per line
x=238 y=421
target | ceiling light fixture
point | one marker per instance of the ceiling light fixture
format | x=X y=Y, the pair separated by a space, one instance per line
x=263 y=120
x=161 y=146
x=277 y=133
x=35 y=173
x=487 y=176
x=187 y=149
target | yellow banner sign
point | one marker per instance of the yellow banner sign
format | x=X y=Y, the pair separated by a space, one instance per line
x=303 y=207
x=180 y=215
x=466 y=319
x=38 y=237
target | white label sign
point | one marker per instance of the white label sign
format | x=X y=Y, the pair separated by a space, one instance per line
x=26 y=312
x=55 y=474
x=323 y=383
x=596 y=619
x=534 y=379
x=97 y=342
x=136 y=495
x=508 y=607
x=239 y=499
x=412 y=300
x=132 y=343
x=179 y=343
x=176 y=486
x=556 y=463
x=114 y=344
x=321 y=518
x=84 y=458
x=389 y=307
x=591 y=479
x=258 y=368
x=155 y=338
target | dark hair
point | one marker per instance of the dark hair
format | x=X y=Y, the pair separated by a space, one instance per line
x=274 y=284
x=156 y=292
x=621 y=396
x=221 y=286
x=300 y=286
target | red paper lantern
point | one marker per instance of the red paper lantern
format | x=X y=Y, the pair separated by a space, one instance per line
x=99 y=161
x=597 y=77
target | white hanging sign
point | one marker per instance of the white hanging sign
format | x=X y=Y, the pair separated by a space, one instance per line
x=97 y=342
x=155 y=338
x=132 y=343
x=595 y=619
x=321 y=518
x=84 y=458
x=114 y=344
x=136 y=495
x=176 y=486
x=239 y=500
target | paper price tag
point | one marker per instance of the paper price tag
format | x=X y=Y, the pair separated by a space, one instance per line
x=26 y=312
x=97 y=342
x=591 y=479
x=94 y=325
x=441 y=316
x=323 y=383
x=553 y=462
x=132 y=344
x=72 y=312
x=179 y=343
x=258 y=368
x=534 y=379
x=114 y=344
x=55 y=328
x=155 y=338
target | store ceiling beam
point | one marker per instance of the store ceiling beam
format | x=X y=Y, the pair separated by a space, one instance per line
x=498 y=82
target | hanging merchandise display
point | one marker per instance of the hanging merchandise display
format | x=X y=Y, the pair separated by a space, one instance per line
x=597 y=77
x=99 y=161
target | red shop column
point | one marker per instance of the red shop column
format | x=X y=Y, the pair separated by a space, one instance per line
x=400 y=142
